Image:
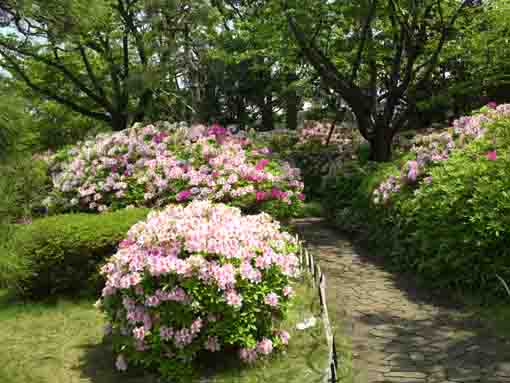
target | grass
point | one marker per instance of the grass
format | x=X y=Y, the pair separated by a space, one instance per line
x=62 y=342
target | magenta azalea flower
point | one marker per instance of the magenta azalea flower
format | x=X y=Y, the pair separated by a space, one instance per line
x=491 y=156
x=262 y=164
x=261 y=196
x=184 y=195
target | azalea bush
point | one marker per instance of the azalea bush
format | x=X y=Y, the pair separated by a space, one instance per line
x=197 y=279
x=319 y=131
x=450 y=224
x=431 y=150
x=156 y=165
x=306 y=149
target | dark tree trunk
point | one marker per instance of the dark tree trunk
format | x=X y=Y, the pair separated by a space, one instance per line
x=119 y=122
x=241 y=111
x=267 y=114
x=292 y=104
x=380 y=145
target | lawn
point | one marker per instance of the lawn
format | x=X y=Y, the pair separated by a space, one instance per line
x=62 y=342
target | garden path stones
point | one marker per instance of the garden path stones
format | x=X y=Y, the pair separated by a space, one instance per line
x=398 y=333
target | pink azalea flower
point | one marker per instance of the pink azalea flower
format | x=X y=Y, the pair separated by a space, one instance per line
x=184 y=195
x=288 y=291
x=166 y=333
x=265 y=346
x=139 y=333
x=233 y=299
x=212 y=344
x=260 y=196
x=492 y=105
x=271 y=299
x=248 y=355
x=491 y=155
x=262 y=164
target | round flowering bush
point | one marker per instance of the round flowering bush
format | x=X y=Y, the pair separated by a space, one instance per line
x=433 y=149
x=157 y=165
x=198 y=278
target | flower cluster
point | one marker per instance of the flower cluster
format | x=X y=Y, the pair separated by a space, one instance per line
x=343 y=139
x=154 y=166
x=434 y=148
x=200 y=277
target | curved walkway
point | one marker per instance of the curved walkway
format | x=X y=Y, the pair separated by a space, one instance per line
x=399 y=334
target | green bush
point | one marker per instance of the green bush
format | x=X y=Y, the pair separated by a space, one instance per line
x=453 y=232
x=62 y=253
x=24 y=183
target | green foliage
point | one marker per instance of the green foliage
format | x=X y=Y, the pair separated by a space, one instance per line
x=482 y=75
x=62 y=253
x=454 y=232
x=24 y=183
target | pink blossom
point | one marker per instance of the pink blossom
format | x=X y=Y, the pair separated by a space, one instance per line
x=196 y=326
x=262 y=164
x=265 y=346
x=233 y=298
x=261 y=196
x=212 y=344
x=183 y=337
x=492 y=105
x=139 y=333
x=183 y=195
x=248 y=355
x=152 y=301
x=288 y=291
x=271 y=299
x=491 y=155
x=166 y=333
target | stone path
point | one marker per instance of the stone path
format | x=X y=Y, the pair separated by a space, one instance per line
x=399 y=334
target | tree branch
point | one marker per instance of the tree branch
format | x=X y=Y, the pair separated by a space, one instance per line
x=70 y=76
x=364 y=34
x=46 y=92
x=431 y=64
x=93 y=77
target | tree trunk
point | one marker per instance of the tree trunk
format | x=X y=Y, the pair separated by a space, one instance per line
x=267 y=114
x=119 y=122
x=380 y=146
x=292 y=104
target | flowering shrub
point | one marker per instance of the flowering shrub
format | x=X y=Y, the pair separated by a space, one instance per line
x=454 y=232
x=154 y=166
x=306 y=149
x=437 y=147
x=200 y=278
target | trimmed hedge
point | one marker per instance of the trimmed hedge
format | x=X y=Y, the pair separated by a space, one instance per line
x=62 y=253
x=453 y=232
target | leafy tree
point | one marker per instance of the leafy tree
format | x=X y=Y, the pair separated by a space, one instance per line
x=375 y=54
x=270 y=64
x=110 y=60
x=478 y=59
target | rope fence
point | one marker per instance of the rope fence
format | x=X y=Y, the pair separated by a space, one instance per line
x=309 y=265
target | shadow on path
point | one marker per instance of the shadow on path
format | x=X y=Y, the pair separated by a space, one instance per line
x=401 y=333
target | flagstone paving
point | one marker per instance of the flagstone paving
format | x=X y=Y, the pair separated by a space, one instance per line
x=398 y=333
